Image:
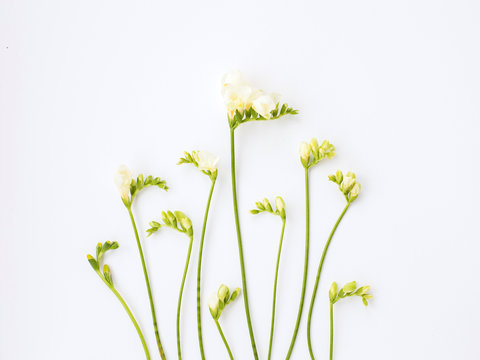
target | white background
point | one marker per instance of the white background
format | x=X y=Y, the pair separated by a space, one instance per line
x=88 y=85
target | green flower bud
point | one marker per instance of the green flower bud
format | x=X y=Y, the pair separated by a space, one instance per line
x=332 y=294
x=92 y=262
x=235 y=294
x=184 y=221
x=223 y=293
x=332 y=178
x=267 y=205
x=339 y=176
x=315 y=147
x=349 y=287
x=327 y=150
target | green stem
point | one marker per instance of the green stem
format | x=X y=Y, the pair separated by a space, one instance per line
x=147 y=281
x=224 y=340
x=275 y=290
x=179 y=306
x=319 y=272
x=239 y=240
x=331 y=331
x=199 y=272
x=305 y=267
x=129 y=312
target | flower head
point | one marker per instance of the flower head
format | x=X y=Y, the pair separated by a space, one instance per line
x=123 y=179
x=218 y=301
x=264 y=104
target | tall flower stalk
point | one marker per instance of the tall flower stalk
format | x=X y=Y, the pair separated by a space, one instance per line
x=106 y=276
x=178 y=221
x=245 y=103
x=216 y=305
x=265 y=206
x=207 y=163
x=350 y=189
x=310 y=155
x=129 y=188
x=348 y=290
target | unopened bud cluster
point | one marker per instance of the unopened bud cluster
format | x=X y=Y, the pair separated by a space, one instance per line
x=176 y=220
x=347 y=184
x=265 y=206
x=349 y=289
x=311 y=153
x=222 y=298
x=96 y=262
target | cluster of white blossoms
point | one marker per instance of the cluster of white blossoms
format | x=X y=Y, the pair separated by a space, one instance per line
x=240 y=96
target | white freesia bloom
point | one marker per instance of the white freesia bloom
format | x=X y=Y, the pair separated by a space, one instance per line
x=237 y=94
x=123 y=179
x=305 y=149
x=206 y=161
x=264 y=104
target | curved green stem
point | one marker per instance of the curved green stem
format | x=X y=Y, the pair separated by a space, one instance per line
x=239 y=240
x=179 y=306
x=331 y=331
x=275 y=290
x=129 y=312
x=305 y=267
x=319 y=272
x=147 y=281
x=223 y=338
x=199 y=272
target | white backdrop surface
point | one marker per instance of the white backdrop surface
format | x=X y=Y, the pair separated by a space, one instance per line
x=88 y=85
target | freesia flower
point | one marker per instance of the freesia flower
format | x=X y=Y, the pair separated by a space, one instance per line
x=279 y=203
x=213 y=305
x=206 y=161
x=264 y=104
x=348 y=182
x=123 y=178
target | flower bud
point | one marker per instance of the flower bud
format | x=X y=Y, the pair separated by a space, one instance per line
x=314 y=145
x=213 y=305
x=280 y=205
x=349 y=287
x=267 y=205
x=339 y=177
x=235 y=294
x=223 y=293
x=122 y=179
x=353 y=194
x=332 y=294
x=348 y=183
x=305 y=150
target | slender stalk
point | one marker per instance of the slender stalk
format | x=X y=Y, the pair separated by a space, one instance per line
x=275 y=290
x=199 y=272
x=239 y=240
x=319 y=272
x=179 y=306
x=130 y=315
x=224 y=340
x=147 y=281
x=305 y=267
x=331 y=331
